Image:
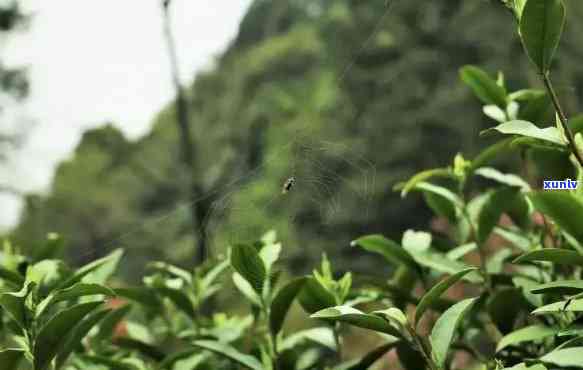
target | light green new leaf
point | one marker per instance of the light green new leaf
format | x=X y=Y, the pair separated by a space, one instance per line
x=53 y=335
x=107 y=264
x=530 y=130
x=10 y=358
x=503 y=178
x=314 y=297
x=460 y=251
x=436 y=291
x=575 y=305
x=270 y=254
x=422 y=176
x=445 y=327
x=567 y=287
x=179 y=298
x=320 y=335
x=389 y=249
x=554 y=255
x=541 y=26
x=246 y=261
x=527 y=334
x=351 y=315
x=485 y=87
x=563 y=208
x=77 y=335
x=282 y=303
x=565 y=357
x=231 y=353
x=74 y=292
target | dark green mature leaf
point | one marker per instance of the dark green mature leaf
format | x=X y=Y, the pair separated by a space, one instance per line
x=10 y=358
x=485 y=87
x=77 y=335
x=231 y=353
x=554 y=255
x=567 y=287
x=314 y=297
x=195 y=357
x=445 y=327
x=12 y=277
x=526 y=334
x=488 y=155
x=505 y=306
x=108 y=262
x=369 y=359
x=541 y=26
x=389 y=249
x=74 y=292
x=565 y=357
x=143 y=348
x=493 y=207
x=563 y=208
x=13 y=303
x=52 y=337
x=246 y=261
x=282 y=303
x=436 y=291
x=145 y=296
x=351 y=315
x=529 y=130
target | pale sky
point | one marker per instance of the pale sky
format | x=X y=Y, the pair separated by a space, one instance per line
x=95 y=61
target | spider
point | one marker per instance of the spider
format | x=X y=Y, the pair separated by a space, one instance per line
x=288 y=185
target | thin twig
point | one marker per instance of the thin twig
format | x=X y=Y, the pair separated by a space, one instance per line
x=562 y=117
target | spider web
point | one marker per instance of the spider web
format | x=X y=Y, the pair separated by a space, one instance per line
x=332 y=179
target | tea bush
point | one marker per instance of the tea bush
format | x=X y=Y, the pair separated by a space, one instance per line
x=496 y=285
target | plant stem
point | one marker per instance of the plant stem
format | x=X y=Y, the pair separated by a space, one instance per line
x=562 y=117
x=336 y=331
x=423 y=348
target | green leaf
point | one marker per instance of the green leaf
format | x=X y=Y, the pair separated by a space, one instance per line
x=503 y=178
x=445 y=327
x=191 y=355
x=493 y=207
x=522 y=366
x=13 y=277
x=436 y=291
x=554 y=255
x=10 y=358
x=422 y=176
x=505 y=306
x=52 y=336
x=145 y=296
x=541 y=26
x=488 y=155
x=416 y=241
x=460 y=251
x=485 y=87
x=563 y=208
x=321 y=335
x=351 y=315
x=387 y=248
x=141 y=347
x=171 y=270
x=369 y=359
x=440 y=263
x=282 y=303
x=527 y=334
x=14 y=305
x=569 y=305
x=566 y=287
x=565 y=357
x=77 y=335
x=246 y=261
x=270 y=254
x=180 y=299
x=74 y=292
x=529 y=130
x=107 y=263
x=314 y=297
x=231 y=353
x=246 y=289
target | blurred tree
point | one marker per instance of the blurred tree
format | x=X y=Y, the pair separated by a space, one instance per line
x=305 y=88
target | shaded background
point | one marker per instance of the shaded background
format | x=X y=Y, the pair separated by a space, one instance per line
x=347 y=100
